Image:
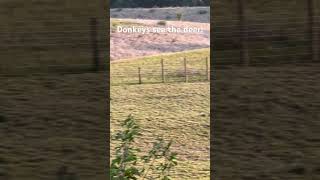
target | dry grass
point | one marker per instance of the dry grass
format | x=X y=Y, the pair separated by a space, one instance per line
x=51 y=121
x=177 y=111
x=173 y=111
x=266 y=124
x=126 y=71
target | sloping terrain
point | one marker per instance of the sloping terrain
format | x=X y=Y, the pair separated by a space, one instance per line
x=266 y=123
x=178 y=112
x=174 y=111
x=51 y=122
x=130 y=45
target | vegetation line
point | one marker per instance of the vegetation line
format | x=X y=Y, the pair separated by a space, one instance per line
x=159 y=55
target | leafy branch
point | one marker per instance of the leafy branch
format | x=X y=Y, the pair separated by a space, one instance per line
x=157 y=164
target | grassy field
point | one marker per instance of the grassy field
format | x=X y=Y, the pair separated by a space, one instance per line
x=266 y=123
x=47 y=122
x=126 y=71
x=177 y=111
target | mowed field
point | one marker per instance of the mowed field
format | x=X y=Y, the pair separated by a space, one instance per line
x=51 y=121
x=266 y=123
x=266 y=120
x=176 y=111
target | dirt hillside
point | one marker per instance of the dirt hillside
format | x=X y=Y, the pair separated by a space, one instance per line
x=128 y=45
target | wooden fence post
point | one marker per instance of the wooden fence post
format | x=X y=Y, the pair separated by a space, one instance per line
x=139 y=75
x=185 y=70
x=244 y=52
x=94 y=41
x=313 y=35
x=207 y=69
x=162 y=71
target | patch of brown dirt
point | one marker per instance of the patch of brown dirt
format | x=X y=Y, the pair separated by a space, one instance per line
x=130 y=45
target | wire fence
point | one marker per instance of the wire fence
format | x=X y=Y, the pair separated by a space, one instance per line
x=161 y=71
x=251 y=33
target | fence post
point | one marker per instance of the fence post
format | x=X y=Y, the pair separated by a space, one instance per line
x=94 y=41
x=207 y=69
x=185 y=70
x=313 y=35
x=139 y=75
x=162 y=71
x=244 y=52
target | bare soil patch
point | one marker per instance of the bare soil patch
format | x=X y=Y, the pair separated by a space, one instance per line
x=130 y=45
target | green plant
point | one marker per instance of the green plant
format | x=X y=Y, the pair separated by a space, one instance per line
x=161 y=159
x=127 y=165
x=179 y=16
x=162 y=23
x=124 y=165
